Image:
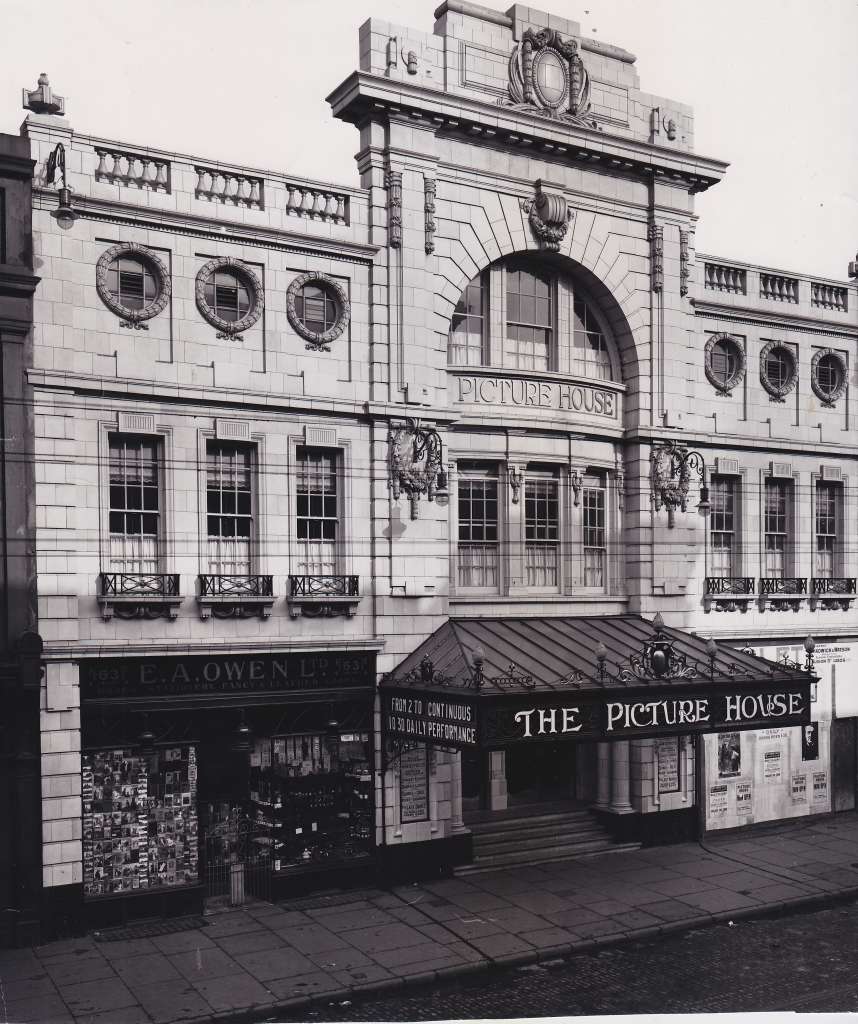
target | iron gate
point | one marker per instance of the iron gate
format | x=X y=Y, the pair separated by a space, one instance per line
x=238 y=860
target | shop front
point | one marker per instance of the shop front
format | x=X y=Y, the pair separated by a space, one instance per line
x=223 y=776
x=606 y=713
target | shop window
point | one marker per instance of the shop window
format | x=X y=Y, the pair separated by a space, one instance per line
x=135 y=504
x=776 y=526
x=317 y=511
x=140 y=827
x=229 y=505
x=722 y=526
x=593 y=507
x=529 y=319
x=542 y=532
x=314 y=792
x=467 y=331
x=478 y=550
x=827 y=529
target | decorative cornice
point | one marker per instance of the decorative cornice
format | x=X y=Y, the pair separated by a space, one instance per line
x=363 y=95
x=17 y=282
x=87 y=208
x=762 y=318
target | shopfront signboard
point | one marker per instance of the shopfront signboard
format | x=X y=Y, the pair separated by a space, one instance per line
x=121 y=679
x=463 y=719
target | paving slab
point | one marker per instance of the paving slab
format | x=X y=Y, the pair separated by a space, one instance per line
x=48 y=1009
x=172 y=1000
x=233 y=992
x=150 y=968
x=198 y=964
x=342 y=959
x=383 y=937
x=317 y=984
x=250 y=942
x=71 y=972
x=99 y=996
x=310 y=938
x=502 y=944
x=267 y=964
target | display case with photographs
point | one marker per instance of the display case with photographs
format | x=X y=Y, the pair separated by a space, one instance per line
x=314 y=793
x=139 y=819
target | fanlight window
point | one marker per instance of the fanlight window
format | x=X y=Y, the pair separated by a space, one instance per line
x=546 y=324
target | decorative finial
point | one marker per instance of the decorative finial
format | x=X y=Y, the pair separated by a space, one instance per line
x=853 y=267
x=658 y=622
x=42 y=100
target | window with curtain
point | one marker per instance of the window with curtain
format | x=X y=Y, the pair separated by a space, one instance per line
x=467 y=331
x=529 y=319
x=479 y=542
x=593 y=514
x=542 y=532
x=317 y=512
x=722 y=526
x=826 y=530
x=135 y=504
x=229 y=506
x=776 y=528
x=590 y=355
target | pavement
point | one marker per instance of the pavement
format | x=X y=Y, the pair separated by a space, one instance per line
x=261 y=958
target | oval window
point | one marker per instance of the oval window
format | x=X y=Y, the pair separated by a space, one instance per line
x=725 y=362
x=829 y=376
x=777 y=370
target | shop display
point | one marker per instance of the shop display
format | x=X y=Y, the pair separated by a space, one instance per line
x=312 y=794
x=139 y=820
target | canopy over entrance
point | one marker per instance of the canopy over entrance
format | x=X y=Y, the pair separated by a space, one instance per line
x=488 y=683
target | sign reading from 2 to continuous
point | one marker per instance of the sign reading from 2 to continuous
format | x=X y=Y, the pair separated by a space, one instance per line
x=458 y=721
x=130 y=678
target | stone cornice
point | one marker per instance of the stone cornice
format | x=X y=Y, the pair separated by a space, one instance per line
x=62 y=650
x=362 y=95
x=723 y=443
x=763 y=318
x=17 y=282
x=89 y=208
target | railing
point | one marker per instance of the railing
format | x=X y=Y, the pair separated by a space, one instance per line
x=324 y=586
x=787 y=586
x=720 y=278
x=126 y=584
x=236 y=586
x=838 y=585
x=119 y=167
x=229 y=187
x=829 y=296
x=778 y=288
x=317 y=204
x=729 y=585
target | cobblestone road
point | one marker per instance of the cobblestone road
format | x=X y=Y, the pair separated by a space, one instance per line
x=805 y=962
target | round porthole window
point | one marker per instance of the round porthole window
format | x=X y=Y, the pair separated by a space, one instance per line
x=828 y=376
x=229 y=296
x=318 y=309
x=551 y=78
x=725 y=362
x=133 y=283
x=778 y=371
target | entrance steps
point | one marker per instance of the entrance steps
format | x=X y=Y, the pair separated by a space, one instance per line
x=530 y=836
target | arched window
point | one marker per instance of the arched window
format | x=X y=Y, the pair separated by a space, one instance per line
x=522 y=314
x=590 y=354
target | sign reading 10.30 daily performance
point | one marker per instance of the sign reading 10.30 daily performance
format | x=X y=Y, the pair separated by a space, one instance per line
x=491 y=721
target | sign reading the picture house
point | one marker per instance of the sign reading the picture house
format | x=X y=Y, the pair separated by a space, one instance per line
x=430 y=718
x=129 y=678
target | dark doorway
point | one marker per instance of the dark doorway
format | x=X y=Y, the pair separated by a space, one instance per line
x=843 y=765
x=539 y=772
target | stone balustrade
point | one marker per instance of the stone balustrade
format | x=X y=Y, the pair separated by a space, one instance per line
x=779 y=288
x=120 y=167
x=221 y=186
x=317 y=204
x=829 y=296
x=718 y=277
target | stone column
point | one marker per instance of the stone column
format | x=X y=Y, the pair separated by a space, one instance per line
x=620 y=803
x=603 y=776
x=497 y=780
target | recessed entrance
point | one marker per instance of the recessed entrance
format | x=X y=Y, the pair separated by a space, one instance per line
x=538 y=772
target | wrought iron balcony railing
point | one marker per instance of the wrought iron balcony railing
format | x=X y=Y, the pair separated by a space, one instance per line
x=783 y=586
x=138 y=585
x=324 y=586
x=236 y=586
x=837 y=586
x=729 y=586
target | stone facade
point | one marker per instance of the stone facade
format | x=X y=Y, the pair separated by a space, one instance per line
x=494 y=146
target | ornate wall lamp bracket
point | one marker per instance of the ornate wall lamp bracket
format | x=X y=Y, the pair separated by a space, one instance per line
x=416 y=462
x=672 y=466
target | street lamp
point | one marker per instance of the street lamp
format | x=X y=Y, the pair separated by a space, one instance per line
x=56 y=166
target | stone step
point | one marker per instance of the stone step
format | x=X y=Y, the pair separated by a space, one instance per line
x=527 y=841
x=527 y=821
x=550 y=855
x=534 y=828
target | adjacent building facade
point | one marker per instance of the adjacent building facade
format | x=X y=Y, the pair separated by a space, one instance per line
x=288 y=433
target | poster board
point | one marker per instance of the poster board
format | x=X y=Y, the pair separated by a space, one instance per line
x=414 y=784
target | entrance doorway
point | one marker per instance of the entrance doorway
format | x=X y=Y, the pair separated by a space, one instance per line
x=540 y=772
